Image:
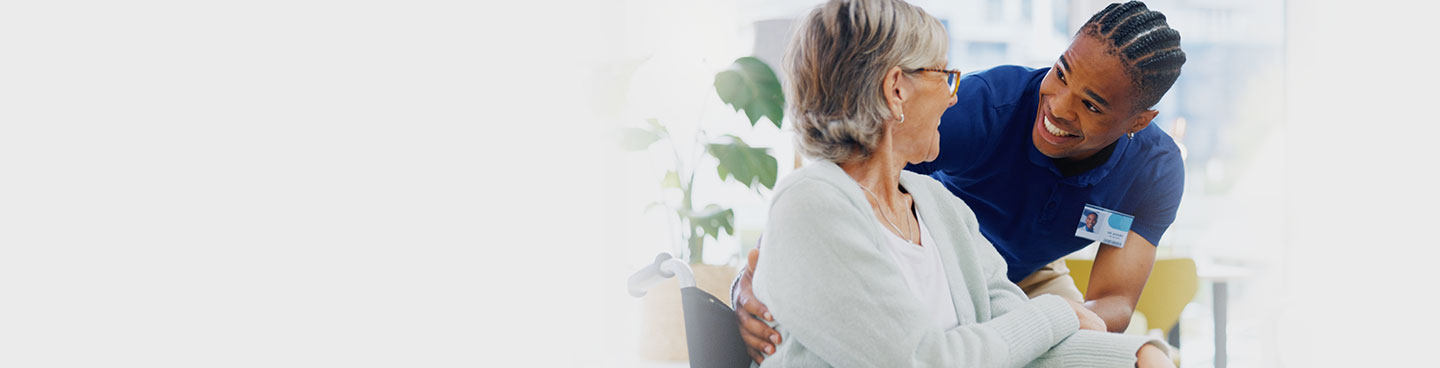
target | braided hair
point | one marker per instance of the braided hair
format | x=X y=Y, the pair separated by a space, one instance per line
x=1146 y=45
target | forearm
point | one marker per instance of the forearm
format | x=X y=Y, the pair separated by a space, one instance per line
x=1117 y=280
x=1098 y=349
x=1114 y=309
x=846 y=339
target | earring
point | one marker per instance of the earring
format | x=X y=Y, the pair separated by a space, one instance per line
x=902 y=119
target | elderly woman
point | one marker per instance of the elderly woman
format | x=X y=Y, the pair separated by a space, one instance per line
x=867 y=265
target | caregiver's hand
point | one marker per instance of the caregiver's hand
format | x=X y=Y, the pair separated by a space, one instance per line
x=1088 y=319
x=1150 y=356
x=759 y=337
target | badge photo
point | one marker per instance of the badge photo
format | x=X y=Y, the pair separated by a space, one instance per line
x=1104 y=225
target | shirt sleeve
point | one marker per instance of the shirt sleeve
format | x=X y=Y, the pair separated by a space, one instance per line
x=1088 y=348
x=1162 y=200
x=834 y=293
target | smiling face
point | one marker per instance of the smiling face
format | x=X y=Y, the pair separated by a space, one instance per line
x=1086 y=102
x=1091 y=219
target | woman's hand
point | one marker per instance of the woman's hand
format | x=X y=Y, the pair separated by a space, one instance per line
x=1088 y=319
x=760 y=339
x=1151 y=356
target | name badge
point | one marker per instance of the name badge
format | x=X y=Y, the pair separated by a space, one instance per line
x=1103 y=225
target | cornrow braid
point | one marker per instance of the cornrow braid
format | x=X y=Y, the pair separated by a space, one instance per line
x=1146 y=45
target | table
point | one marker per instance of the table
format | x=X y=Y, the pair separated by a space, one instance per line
x=1219 y=277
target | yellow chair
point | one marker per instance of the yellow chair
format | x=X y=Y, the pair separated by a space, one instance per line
x=1172 y=284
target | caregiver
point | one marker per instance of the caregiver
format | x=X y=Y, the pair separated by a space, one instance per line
x=1029 y=149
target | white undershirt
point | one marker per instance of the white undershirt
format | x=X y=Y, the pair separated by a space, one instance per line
x=920 y=265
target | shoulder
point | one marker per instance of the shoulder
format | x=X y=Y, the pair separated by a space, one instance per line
x=1005 y=83
x=819 y=186
x=1161 y=154
x=988 y=106
x=815 y=208
x=1009 y=74
x=1162 y=172
x=823 y=176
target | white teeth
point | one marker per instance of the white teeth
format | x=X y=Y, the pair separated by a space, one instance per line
x=1056 y=131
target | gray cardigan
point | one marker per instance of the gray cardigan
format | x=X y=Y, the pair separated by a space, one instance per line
x=838 y=300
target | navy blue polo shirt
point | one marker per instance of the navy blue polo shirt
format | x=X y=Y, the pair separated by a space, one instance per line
x=1026 y=208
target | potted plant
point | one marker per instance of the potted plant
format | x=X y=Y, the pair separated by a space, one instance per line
x=748 y=85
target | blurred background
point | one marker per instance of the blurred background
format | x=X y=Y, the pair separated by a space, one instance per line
x=1235 y=112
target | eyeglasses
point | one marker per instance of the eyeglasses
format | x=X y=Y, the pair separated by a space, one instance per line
x=952 y=79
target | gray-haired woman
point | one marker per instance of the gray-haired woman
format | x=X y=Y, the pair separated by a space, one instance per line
x=867 y=265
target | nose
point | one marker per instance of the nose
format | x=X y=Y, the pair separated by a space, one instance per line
x=1060 y=106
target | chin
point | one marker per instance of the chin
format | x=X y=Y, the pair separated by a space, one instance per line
x=1045 y=148
x=1055 y=155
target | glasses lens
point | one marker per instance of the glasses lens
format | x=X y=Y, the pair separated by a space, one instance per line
x=954 y=82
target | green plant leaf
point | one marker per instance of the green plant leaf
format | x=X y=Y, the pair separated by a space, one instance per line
x=749 y=84
x=671 y=180
x=747 y=164
x=656 y=127
x=636 y=139
x=712 y=219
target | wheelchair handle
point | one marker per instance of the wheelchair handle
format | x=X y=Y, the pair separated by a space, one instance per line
x=662 y=268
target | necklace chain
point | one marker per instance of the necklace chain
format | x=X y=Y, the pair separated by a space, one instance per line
x=906 y=232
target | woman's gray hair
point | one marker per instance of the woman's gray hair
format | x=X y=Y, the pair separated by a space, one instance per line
x=836 y=64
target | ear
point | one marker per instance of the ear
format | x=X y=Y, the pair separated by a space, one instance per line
x=1141 y=121
x=897 y=90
